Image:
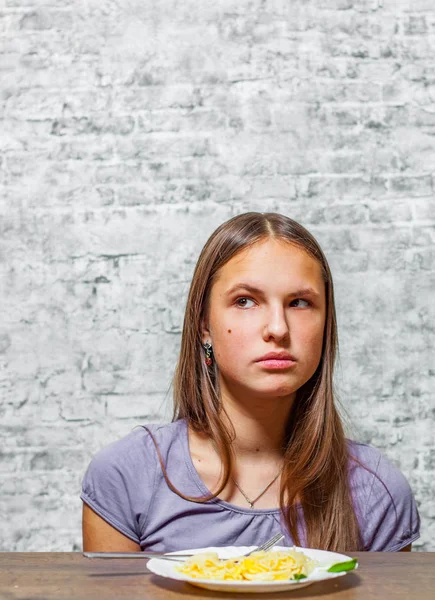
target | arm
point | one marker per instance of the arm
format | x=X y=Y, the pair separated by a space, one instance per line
x=117 y=491
x=99 y=536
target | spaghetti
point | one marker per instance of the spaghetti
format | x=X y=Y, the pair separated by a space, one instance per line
x=259 y=566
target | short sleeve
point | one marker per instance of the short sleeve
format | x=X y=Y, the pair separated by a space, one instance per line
x=118 y=484
x=390 y=519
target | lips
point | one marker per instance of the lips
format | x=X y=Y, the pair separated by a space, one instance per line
x=276 y=356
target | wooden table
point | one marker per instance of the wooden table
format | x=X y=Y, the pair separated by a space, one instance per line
x=58 y=575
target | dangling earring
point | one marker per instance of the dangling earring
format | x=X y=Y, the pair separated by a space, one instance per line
x=208 y=352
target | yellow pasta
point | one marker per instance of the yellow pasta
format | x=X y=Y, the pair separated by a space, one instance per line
x=273 y=565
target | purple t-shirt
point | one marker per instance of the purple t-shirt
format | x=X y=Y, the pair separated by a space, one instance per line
x=124 y=484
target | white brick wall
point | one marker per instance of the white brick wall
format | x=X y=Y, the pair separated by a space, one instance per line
x=129 y=131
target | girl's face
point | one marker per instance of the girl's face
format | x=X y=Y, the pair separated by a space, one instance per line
x=268 y=298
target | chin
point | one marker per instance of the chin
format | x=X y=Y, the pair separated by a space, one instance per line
x=272 y=387
x=275 y=391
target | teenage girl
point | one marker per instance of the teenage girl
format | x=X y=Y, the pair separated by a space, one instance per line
x=256 y=444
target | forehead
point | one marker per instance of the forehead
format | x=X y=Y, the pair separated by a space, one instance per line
x=272 y=264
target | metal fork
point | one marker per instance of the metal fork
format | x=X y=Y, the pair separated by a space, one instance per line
x=266 y=546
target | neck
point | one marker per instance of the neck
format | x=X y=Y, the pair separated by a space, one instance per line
x=259 y=424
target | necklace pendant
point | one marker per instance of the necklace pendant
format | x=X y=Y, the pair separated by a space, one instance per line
x=251 y=505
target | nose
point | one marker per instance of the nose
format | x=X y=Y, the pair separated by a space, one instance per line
x=276 y=325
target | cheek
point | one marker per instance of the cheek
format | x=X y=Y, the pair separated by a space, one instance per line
x=230 y=345
x=229 y=341
x=310 y=337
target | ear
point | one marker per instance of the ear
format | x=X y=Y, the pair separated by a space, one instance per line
x=205 y=332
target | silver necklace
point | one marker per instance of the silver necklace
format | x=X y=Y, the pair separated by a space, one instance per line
x=248 y=500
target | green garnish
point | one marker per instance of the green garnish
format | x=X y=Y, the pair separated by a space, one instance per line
x=343 y=566
x=299 y=576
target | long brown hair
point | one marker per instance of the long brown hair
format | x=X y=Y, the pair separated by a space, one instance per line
x=316 y=454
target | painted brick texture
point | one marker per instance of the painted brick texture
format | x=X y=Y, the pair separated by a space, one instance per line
x=129 y=131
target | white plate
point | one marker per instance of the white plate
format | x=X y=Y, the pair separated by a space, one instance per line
x=166 y=568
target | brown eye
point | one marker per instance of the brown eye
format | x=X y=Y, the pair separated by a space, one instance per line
x=244 y=300
x=297 y=303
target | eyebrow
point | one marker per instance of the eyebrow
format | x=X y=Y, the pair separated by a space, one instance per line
x=307 y=291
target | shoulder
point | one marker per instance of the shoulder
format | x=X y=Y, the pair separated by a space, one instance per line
x=369 y=465
x=137 y=447
x=165 y=434
x=383 y=499
x=120 y=479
